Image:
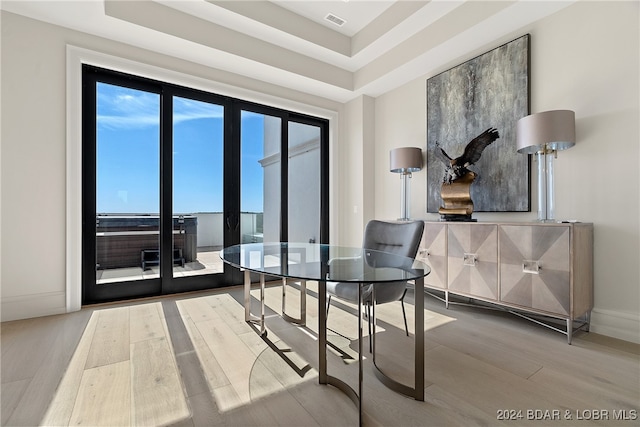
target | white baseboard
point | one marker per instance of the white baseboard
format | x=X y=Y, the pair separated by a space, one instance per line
x=27 y=306
x=615 y=324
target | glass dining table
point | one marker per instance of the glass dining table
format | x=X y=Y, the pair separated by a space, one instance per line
x=324 y=263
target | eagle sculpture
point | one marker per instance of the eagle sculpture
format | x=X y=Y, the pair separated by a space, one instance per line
x=457 y=168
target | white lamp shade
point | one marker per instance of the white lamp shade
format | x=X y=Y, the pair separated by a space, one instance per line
x=405 y=159
x=555 y=130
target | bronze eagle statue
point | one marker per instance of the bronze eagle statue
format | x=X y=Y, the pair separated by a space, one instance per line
x=456 y=168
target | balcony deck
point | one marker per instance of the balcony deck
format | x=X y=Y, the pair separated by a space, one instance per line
x=121 y=238
x=208 y=262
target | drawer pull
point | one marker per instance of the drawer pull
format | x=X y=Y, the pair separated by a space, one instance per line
x=531 y=267
x=470 y=259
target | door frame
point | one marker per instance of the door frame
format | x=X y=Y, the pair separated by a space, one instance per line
x=166 y=283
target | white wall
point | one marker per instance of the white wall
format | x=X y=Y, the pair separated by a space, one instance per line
x=354 y=156
x=33 y=174
x=584 y=58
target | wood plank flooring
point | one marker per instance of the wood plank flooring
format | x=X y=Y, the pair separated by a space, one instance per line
x=191 y=360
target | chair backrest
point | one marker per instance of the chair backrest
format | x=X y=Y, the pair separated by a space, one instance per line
x=401 y=238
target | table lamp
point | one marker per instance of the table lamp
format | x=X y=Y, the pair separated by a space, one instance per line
x=544 y=134
x=405 y=161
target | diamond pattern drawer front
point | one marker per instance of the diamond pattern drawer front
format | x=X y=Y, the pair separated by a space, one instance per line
x=473 y=260
x=535 y=267
x=433 y=251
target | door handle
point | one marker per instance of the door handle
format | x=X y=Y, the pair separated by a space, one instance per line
x=232 y=222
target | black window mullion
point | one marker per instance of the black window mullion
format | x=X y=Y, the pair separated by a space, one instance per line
x=324 y=182
x=89 y=90
x=231 y=201
x=166 y=188
x=231 y=177
x=284 y=180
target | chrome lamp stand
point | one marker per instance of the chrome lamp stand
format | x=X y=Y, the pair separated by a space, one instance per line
x=404 y=161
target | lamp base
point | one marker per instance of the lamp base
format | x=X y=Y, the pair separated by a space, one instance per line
x=404 y=219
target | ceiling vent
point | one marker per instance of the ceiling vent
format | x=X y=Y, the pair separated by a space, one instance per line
x=335 y=19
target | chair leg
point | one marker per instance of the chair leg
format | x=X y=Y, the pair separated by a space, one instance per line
x=404 y=314
x=328 y=304
x=369 y=321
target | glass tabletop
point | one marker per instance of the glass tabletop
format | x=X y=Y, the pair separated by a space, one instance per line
x=312 y=261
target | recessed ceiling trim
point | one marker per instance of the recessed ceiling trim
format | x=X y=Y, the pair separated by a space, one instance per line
x=385 y=22
x=416 y=23
x=244 y=50
x=166 y=20
x=458 y=21
x=288 y=22
x=497 y=29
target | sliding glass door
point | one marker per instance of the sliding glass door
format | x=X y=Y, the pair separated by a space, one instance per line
x=304 y=182
x=127 y=185
x=284 y=177
x=260 y=170
x=198 y=187
x=121 y=187
x=171 y=175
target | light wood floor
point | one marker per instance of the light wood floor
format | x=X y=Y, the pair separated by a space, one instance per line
x=192 y=360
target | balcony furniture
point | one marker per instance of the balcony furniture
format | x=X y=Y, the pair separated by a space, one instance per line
x=152 y=257
x=121 y=238
x=538 y=271
x=310 y=261
x=401 y=238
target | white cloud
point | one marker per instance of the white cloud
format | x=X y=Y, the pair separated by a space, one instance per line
x=124 y=108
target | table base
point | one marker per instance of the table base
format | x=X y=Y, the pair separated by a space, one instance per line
x=416 y=392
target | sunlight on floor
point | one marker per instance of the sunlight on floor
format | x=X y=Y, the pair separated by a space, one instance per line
x=123 y=372
x=245 y=368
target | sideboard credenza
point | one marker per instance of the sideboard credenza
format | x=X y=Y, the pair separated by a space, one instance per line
x=541 y=269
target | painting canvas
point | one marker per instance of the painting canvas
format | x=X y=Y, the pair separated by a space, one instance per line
x=491 y=90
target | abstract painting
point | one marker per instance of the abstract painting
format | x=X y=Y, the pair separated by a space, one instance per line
x=491 y=90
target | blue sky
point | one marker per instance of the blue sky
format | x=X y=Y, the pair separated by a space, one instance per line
x=128 y=154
